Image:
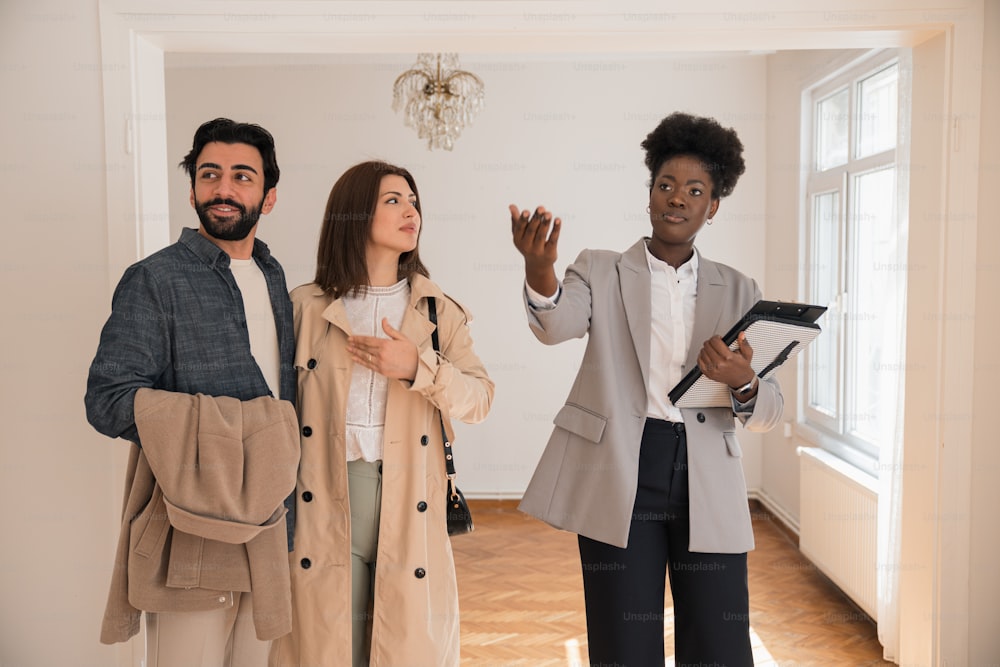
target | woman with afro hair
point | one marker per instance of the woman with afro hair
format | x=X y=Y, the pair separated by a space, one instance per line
x=653 y=491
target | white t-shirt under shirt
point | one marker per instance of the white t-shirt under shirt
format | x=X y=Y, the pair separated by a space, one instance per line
x=260 y=320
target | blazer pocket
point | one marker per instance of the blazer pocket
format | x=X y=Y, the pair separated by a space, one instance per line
x=732 y=444
x=581 y=421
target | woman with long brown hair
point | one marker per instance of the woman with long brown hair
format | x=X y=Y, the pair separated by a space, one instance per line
x=373 y=578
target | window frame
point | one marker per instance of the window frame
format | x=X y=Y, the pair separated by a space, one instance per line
x=832 y=431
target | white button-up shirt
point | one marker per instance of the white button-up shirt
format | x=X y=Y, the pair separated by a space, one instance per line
x=673 y=293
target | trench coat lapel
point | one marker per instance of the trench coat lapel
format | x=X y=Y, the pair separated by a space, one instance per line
x=633 y=277
x=336 y=315
x=416 y=326
x=708 y=307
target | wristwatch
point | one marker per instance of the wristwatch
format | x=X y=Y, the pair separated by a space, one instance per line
x=747 y=388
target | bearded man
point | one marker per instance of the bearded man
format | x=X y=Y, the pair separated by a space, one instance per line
x=208 y=316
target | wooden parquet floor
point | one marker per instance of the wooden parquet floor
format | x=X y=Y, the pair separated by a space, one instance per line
x=521 y=599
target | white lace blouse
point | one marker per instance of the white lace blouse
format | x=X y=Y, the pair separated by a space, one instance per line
x=367 y=396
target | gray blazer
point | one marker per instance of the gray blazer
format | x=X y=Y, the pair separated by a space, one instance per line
x=586 y=479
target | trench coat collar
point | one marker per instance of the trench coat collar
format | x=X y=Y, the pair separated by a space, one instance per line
x=417 y=329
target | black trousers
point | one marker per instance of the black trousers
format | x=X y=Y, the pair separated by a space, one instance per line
x=624 y=588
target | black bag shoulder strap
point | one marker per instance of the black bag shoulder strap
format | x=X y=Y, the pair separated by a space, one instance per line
x=449 y=459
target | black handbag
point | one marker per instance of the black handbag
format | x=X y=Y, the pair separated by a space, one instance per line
x=457 y=512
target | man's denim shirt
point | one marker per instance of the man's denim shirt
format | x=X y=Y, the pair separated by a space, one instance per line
x=177 y=323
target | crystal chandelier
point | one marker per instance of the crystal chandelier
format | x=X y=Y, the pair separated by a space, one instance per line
x=438 y=99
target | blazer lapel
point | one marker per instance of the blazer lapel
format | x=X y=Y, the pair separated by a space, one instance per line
x=707 y=308
x=633 y=277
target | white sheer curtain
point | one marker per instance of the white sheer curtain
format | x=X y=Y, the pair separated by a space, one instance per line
x=890 y=497
x=892 y=455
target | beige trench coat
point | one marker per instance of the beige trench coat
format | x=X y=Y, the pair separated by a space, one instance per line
x=416 y=597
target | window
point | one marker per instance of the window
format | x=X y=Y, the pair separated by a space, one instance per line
x=856 y=257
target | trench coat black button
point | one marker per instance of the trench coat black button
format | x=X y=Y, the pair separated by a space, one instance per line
x=421 y=506
x=701 y=417
x=424 y=440
x=311 y=364
x=307 y=496
x=420 y=573
x=305 y=563
x=307 y=431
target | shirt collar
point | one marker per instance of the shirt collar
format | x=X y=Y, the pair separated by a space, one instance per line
x=688 y=269
x=212 y=254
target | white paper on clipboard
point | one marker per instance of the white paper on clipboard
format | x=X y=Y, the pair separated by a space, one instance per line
x=774 y=342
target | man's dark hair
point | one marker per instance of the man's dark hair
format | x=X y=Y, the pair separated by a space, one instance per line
x=718 y=148
x=230 y=132
x=341 y=267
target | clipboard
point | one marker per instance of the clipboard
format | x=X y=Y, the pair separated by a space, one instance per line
x=776 y=330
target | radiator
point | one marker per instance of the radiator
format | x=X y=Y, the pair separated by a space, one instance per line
x=837 y=524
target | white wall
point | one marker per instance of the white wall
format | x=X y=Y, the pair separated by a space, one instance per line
x=984 y=612
x=562 y=131
x=922 y=437
x=58 y=485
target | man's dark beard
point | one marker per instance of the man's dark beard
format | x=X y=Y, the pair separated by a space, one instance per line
x=233 y=230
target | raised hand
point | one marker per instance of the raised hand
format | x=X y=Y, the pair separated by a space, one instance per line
x=538 y=245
